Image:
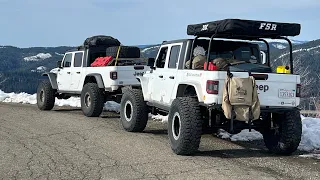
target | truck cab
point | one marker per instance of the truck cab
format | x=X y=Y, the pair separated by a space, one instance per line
x=69 y=74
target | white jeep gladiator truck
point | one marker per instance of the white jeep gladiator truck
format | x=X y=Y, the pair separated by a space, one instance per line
x=192 y=97
x=95 y=85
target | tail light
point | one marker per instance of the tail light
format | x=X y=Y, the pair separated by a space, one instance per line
x=212 y=87
x=298 y=90
x=113 y=75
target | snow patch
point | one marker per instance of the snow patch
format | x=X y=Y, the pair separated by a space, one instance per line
x=112 y=106
x=26 y=98
x=310 y=139
x=23 y=98
x=41 y=68
x=3 y=96
x=149 y=48
x=284 y=41
x=40 y=56
x=163 y=119
x=279 y=46
x=244 y=135
x=59 y=54
x=315 y=156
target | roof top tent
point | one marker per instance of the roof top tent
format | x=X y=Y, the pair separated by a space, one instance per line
x=245 y=30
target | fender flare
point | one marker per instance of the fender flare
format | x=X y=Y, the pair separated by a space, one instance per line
x=52 y=78
x=98 y=78
x=195 y=85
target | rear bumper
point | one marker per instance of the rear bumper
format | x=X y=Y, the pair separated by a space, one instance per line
x=262 y=109
x=279 y=109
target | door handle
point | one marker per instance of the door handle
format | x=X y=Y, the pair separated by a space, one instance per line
x=78 y=72
x=68 y=72
x=161 y=76
x=171 y=77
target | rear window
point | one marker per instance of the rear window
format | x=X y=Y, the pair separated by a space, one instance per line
x=235 y=50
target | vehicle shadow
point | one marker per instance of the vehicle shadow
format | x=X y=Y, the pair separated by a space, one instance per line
x=242 y=153
x=239 y=149
x=156 y=131
x=110 y=116
x=67 y=110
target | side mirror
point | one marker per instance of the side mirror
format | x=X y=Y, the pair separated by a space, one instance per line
x=59 y=64
x=151 y=62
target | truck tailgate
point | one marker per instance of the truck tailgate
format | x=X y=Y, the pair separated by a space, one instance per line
x=127 y=75
x=278 y=89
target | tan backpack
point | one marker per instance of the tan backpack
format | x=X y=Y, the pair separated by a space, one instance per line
x=240 y=99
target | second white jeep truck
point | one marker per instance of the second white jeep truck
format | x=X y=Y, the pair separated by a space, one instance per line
x=192 y=97
x=95 y=85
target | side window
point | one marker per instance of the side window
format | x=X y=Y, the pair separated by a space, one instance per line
x=174 y=55
x=78 y=59
x=67 y=60
x=162 y=57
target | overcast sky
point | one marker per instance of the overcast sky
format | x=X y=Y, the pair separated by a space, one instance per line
x=26 y=23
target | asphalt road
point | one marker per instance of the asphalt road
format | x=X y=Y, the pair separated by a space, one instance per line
x=64 y=144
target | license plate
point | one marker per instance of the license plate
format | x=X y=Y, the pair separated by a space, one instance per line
x=284 y=93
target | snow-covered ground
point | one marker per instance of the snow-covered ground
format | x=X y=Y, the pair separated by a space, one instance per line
x=40 y=56
x=310 y=131
x=25 y=98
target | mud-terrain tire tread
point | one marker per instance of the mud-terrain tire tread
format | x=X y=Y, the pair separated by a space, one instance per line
x=49 y=95
x=290 y=137
x=191 y=125
x=97 y=100
x=140 y=111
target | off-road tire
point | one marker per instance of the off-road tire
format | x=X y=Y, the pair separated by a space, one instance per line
x=92 y=100
x=289 y=136
x=125 y=52
x=133 y=111
x=186 y=135
x=45 y=95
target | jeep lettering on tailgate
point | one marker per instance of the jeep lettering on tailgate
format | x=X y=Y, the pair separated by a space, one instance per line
x=263 y=88
x=138 y=73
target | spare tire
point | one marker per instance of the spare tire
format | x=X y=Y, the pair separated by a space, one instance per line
x=125 y=52
x=101 y=40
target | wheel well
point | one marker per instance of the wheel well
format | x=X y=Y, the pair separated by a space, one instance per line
x=89 y=79
x=186 y=90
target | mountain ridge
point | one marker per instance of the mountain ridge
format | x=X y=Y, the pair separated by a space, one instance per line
x=14 y=68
